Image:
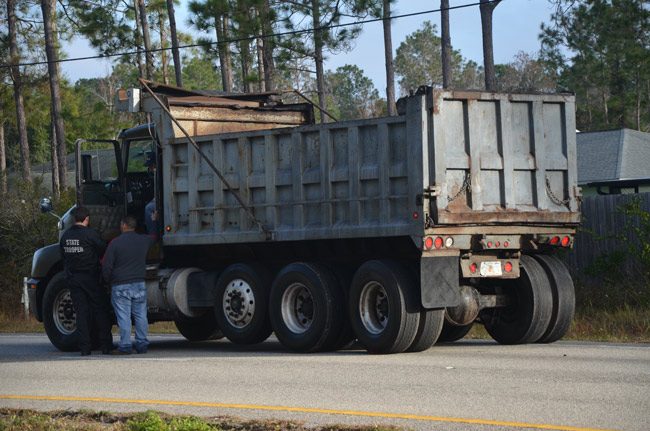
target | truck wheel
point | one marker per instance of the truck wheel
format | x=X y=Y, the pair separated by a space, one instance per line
x=564 y=298
x=431 y=322
x=59 y=317
x=528 y=314
x=307 y=308
x=451 y=333
x=241 y=307
x=200 y=328
x=383 y=309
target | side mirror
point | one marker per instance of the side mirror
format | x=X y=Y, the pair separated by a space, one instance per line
x=46 y=205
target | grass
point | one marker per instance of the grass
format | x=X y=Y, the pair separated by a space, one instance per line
x=31 y=420
x=623 y=325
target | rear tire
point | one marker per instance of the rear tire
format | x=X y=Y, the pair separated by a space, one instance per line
x=59 y=317
x=383 y=310
x=241 y=305
x=200 y=328
x=429 y=328
x=564 y=298
x=451 y=333
x=528 y=315
x=307 y=308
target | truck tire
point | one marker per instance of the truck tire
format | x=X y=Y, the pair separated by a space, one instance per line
x=59 y=317
x=429 y=328
x=241 y=305
x=383 y=309
x=200 y=328
x=564 y=298
x=451 y=333
x=307 y=308
x=528 y=315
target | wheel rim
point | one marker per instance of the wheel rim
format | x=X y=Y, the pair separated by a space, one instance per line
x=238 y=303
x=373 y=307
x=297 y=308
x=64 y=316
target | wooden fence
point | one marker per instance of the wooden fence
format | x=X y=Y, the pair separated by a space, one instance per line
x=605 y=230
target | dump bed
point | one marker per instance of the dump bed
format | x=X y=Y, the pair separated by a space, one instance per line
x=451 y=158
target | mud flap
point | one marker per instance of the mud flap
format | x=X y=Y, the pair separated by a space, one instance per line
x=439 y=281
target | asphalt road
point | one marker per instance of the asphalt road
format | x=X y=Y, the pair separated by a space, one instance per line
x=472 y=385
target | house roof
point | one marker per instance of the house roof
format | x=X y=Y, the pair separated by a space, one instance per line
x=613 y=155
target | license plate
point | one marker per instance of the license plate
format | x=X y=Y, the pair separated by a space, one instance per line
x=491 y=269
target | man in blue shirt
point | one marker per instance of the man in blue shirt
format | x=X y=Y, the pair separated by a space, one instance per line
x=124 y=268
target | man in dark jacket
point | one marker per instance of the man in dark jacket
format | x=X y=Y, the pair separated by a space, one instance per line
x=124 y=268
x=81 y=247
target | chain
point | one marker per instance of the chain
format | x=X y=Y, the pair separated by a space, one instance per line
x=555 y=199
x=466 y=185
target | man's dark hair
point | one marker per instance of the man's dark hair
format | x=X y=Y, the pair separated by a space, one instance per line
x=80 y=214
x=129 y=221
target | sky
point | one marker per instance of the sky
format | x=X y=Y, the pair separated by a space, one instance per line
x=516 y=27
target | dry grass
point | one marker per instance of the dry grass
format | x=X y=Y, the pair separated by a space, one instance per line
x=623 y=325
x=30 y=420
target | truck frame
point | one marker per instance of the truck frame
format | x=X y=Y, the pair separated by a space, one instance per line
x=398 y=232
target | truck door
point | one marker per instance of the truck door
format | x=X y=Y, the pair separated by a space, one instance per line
x=99 y=184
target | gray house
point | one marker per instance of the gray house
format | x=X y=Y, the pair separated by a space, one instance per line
x=614 y=162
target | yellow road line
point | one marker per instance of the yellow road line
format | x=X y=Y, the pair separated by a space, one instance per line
x=302 y=410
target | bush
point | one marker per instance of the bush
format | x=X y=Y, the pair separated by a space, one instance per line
x=23 y=230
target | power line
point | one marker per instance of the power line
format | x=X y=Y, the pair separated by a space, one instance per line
x=247 y=38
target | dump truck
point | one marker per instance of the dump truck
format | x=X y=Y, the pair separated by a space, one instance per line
x=398 y=232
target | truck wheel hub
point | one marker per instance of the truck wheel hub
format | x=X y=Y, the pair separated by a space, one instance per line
x=64 y=316
x=373 y=307
x=297 y=308
x=239 y=303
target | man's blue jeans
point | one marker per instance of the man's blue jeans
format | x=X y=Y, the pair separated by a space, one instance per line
x=131 y=300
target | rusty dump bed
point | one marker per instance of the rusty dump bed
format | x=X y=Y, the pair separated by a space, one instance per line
x=450 y=159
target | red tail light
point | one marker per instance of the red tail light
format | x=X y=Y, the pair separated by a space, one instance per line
x=507 y=267
x=506 y=244
x=473 y=268
x=555 y=240
x=428 y=243
x=489 y=244
x=438 y=242
x=566 y=241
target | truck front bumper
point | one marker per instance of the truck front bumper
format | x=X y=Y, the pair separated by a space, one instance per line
x=30 y=298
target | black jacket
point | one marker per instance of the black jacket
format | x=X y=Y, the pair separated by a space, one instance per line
x=125 y=259
x=81 y=248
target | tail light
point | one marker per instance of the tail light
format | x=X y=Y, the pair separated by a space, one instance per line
x=566 y=241
x=472 y=268
x=438 y=242
x=554 y=241
x=507 y=267
x=428 y=243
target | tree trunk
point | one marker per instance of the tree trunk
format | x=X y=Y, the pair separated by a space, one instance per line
x=163 y=53
x=446 y=44
x=260 y=64
x=56 y=185
x=48 y=7
x=390 y=66
x=3 y=160
x=488 y=50
x=245 y=58
x=318 y=58
x=144 y=25
x=178 y=71
x=21 y=122
x=138 y=40
x=605 y=107
x=267 y=30
x=225 y=61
